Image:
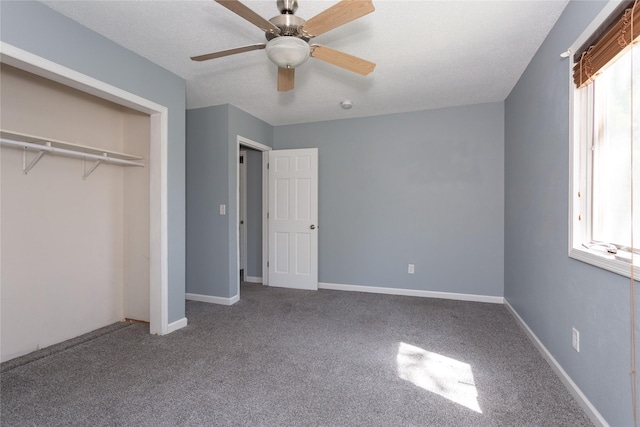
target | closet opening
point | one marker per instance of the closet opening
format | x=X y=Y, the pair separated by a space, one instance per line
x=79 y=254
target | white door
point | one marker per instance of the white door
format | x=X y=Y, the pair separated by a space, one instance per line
x=293 y=218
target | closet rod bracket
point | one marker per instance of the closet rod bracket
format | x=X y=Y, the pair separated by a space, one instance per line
x=27 y=167
x=85 y=173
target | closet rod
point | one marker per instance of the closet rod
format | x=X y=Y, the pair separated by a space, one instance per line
x=71 y=153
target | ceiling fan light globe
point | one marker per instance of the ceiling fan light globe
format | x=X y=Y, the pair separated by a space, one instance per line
x=288 y=51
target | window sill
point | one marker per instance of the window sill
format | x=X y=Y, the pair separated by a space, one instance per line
x=607 y=261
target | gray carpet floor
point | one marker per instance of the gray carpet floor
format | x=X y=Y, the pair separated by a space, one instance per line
x=297 y=358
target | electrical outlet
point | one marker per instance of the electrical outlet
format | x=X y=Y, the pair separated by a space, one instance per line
x=411 y=269
x=575 y=339
x=223 y=209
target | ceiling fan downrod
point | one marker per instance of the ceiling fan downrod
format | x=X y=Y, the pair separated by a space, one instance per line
x=288 y=7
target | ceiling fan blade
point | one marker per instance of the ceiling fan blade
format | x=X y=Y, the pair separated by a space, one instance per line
x=337 y=15
x=285 y=78
x=228 y=52
x=341 y=59
x=243 y=11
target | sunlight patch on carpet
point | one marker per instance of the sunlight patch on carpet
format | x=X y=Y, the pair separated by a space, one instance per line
x=438 y=374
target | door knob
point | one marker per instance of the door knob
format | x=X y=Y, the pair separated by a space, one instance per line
x=313 y=227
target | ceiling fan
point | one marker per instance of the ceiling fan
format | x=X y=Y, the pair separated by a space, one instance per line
x=288 y=37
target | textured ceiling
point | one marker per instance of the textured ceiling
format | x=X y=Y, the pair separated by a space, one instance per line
x=429 y=54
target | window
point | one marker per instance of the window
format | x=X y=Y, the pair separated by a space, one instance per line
x=605 y=187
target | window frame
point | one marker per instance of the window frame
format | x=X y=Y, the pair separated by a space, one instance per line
x=579 y=228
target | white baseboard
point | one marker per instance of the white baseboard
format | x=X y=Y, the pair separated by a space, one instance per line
x=178 y=324
x=412 y=293
x=213 y=300
x=575 y=391
x=252 y=279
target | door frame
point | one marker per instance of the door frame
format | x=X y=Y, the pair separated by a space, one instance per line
x=159 y=125
x=242 y=186
x=246 y=142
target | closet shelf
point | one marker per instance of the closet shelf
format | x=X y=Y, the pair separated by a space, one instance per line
x=45 y=145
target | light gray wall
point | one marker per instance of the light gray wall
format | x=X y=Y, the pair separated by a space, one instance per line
x=207 y=172
x=550 y=291
x=254 y=213
x=424 y=188
x=212 y=167
x=33 y=27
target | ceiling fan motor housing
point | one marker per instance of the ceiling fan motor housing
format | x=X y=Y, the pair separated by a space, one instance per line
x=289 y=26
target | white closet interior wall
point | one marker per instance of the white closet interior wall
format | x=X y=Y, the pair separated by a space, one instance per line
x=75 y=253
